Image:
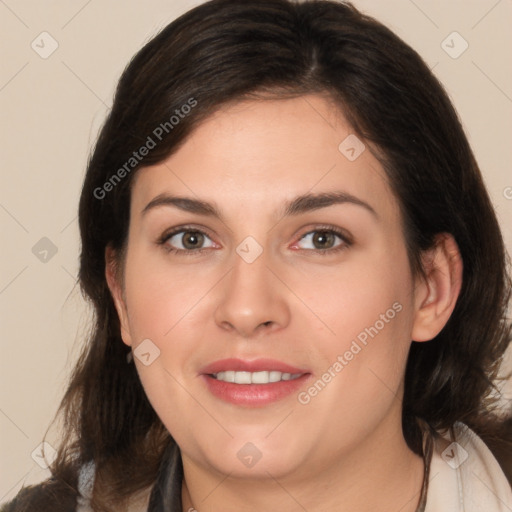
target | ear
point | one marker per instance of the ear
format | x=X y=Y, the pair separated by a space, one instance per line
x=436 y=296
x=112 y=276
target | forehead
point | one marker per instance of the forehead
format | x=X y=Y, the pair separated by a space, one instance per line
x=268 y=151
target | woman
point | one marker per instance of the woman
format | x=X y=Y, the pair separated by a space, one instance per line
x=299 y=280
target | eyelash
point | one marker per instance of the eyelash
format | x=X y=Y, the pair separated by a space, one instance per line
x=162 y=241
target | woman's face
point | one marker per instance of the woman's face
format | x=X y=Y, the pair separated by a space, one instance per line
x=317 y=284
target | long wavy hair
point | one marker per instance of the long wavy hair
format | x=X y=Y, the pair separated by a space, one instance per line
x=229 y=50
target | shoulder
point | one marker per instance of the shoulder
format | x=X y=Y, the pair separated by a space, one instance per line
x=138 y=502
x=502 y=449
x=48 y=496
x=57 y=496
x=465 y=475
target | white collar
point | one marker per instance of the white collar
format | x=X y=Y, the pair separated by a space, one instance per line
x=465 y=476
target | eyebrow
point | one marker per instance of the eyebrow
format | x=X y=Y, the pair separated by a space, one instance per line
x=301 y=204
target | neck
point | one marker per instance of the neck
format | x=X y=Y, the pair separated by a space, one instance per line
x=381 y=474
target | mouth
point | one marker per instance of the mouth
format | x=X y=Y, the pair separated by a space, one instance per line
x=253 y=383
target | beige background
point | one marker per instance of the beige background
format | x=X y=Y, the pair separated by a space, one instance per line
x=51 y=110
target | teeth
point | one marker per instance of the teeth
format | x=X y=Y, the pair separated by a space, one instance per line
x=254 y=377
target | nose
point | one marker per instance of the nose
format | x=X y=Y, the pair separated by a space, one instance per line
x=252 y=299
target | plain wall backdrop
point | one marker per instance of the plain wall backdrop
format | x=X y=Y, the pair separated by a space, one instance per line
x=59 y=67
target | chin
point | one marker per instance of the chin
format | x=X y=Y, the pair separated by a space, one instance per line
x=256 y=458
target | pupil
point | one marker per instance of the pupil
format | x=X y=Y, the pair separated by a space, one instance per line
x=192 y=239
x=321 y=237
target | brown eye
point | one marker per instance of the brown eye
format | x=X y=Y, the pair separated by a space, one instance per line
x=324 y=240
x=192 y=239
x=186 y=240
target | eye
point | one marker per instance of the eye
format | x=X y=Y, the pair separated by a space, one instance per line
x=325 y=240
x=186 y=240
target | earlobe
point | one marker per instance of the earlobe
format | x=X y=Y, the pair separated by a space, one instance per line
x=437 y=294
x=115 y=287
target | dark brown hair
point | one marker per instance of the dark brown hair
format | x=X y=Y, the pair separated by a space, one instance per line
x=227 y=50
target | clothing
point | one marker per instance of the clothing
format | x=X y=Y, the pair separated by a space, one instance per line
x=478 y=484
x=461 y=475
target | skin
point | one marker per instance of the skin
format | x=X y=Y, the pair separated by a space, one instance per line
x=344 y=450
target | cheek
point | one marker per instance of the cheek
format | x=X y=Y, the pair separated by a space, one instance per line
x=368 y=314
x=163 y=299
x=351 y=297
x=165 y=307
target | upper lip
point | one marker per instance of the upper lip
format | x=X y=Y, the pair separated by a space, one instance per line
x=255 y=365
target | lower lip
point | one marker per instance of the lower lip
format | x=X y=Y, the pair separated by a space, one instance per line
x=254 y=395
